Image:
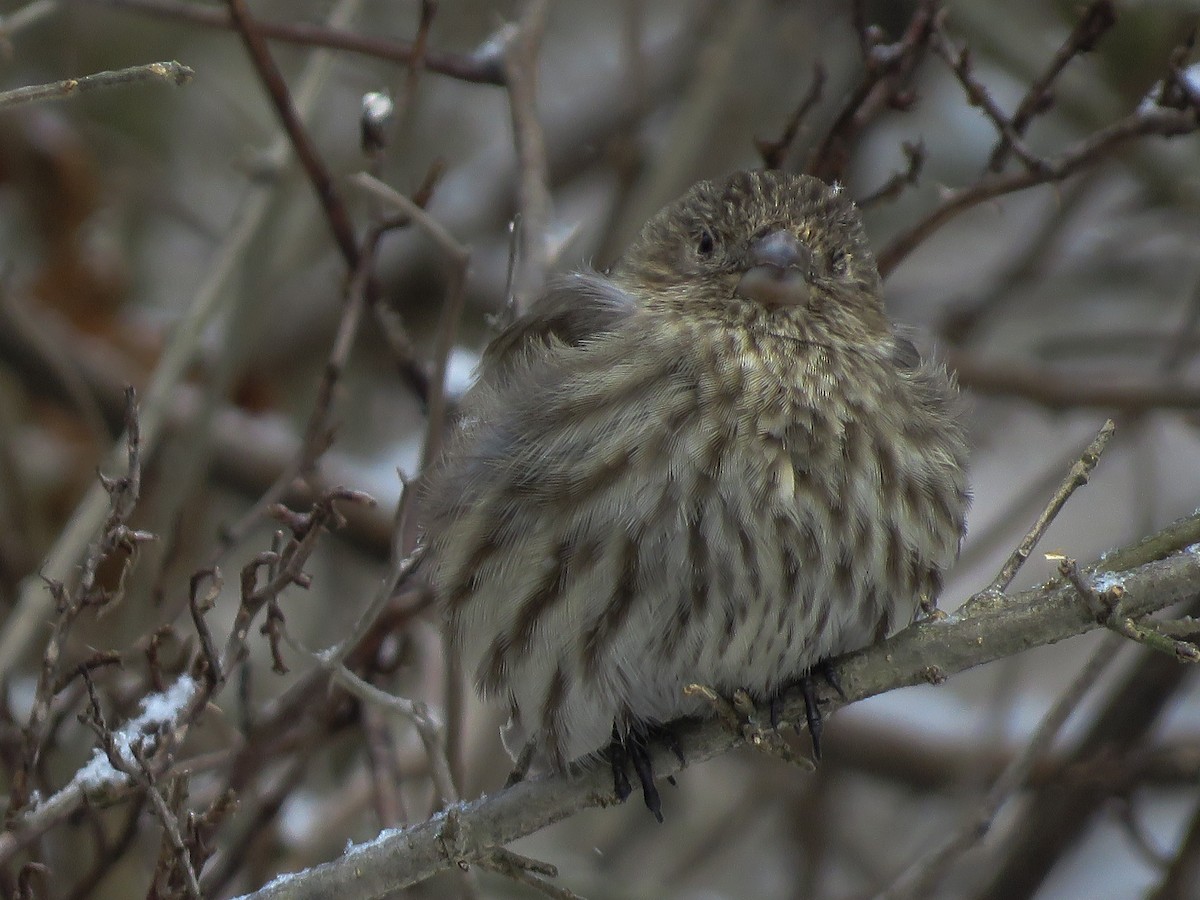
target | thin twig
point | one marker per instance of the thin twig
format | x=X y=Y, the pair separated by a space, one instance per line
x=127 y=755
x=1105 y=605
x=1054 y=389
x=318 y=435
x=428 y=726
x=914 y=152
x=959 y=61
x=449 y=749
x=1095 y=21
x=160 y=72
x=459 y=257
x=114 y=537
x=1159 y=121
x=480 y=68
x=533 y=191
x=888 y=70
x=774 y=152
x=306 y=151
x=142 y=773
x=524 y=870
x=1076 y=478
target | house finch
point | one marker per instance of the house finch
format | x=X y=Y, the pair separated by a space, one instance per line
x=714 y=463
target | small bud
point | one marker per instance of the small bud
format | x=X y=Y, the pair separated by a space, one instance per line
x=377 y=112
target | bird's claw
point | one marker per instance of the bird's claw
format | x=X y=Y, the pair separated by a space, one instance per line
x=631 y=751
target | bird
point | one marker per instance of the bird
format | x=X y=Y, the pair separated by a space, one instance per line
x=716 y=462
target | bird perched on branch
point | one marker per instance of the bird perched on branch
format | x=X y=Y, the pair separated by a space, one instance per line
x=715 y=463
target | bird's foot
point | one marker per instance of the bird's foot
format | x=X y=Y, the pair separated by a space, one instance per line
x=521 y=766
x=741 y=715
x=812 y=708
x=632 y=750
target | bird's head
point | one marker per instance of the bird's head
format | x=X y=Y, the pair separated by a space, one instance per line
x=784 y=247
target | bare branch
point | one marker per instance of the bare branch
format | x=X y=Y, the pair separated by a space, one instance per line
x=159 y=72
x=481 y=68
x=1076 y=478
x=774 y=152
x=885 y=84
x=1142 y=123
x=1047 y=387
x=306 y=151
x=923 y=653
x=533 y=190
x=1095 y=21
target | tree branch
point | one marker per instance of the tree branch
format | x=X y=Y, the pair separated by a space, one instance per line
x=928 y=652
x=479 y=68
x=162 y=72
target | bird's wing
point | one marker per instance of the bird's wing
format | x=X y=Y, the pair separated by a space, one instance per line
x=572 y=310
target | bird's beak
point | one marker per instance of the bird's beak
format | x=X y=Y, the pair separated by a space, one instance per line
x=780 y=271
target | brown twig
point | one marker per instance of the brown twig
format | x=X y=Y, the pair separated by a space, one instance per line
x=127 y=754
x=480 y=68
x=459 y=258
x=141 y=772
x=533 y=190
x=1141 y=123
x=306 y=151
x=318 y=432
x=959 y=61
x=199 y=605
x=420 y=53
x=773 y=152
x=887 y=72
x=1095 y=21
x=115 y=538
x=448 y=749
x=914 y=152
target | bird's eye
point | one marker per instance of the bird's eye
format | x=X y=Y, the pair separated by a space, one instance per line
x=706 y=244
x=838 y=263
